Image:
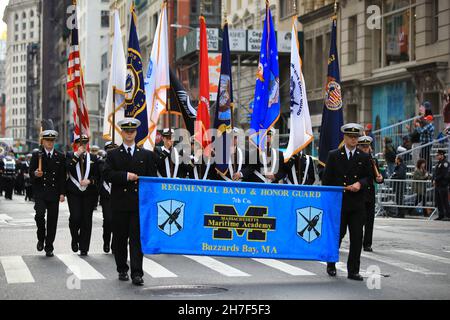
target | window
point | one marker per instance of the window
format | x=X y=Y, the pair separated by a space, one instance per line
x=207 y=7
x=286 y=8
x=104 y=61
x=194 y=7
x=435 y=24
x=24 y=26
x=319 y=65
x=31 y=13
x=24 y=15
x=105 y=19
x=16 y=27
x=352 y=40
x=31 y=24
x=31 y=34
x=398 y=32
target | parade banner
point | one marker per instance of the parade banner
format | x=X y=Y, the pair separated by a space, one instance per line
x=257 y=220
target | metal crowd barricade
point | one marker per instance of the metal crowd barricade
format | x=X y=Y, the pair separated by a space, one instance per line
x=404 y=197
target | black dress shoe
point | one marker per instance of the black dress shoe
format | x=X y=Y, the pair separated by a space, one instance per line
x=138 y=281
x=40 y=246
x=49 y=253
x=331 y=269
x=123 y=276
x=355 y=276
x=83 y=253
x=438 y=218
x=368 y=249
x=106 y=248
x=74 y=246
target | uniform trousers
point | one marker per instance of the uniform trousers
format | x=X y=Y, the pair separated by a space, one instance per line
x=107 y=220
x=81 y=208
x=354 y=220
x=126 y=229
x=52 y=208
x=368 y=225
x=442 y=201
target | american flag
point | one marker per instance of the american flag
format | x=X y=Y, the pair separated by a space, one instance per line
x=75 y=87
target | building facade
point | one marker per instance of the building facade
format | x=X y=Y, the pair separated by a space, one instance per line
x=2 y=83
x=21 y=17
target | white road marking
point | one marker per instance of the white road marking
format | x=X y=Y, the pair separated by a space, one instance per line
x=426 y=256
x=155 y=270
x=4 y=217
x=218 y=266
x=79 y=267
x=284 y=267
x=16 y=270
x=400 y=264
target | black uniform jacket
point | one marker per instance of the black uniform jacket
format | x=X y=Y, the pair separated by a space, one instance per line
x=369 y=191
x=94 y=174
x=124 y=193
x=250 y=167
x=339 y=171
x=294 y=162
x=440 y=174
x=53 y=183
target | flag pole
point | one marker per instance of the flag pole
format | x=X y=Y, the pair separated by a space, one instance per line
x=114 y=115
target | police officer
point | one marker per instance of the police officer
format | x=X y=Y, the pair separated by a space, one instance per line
x=48 y=177
x=9 y=176
x=105 y=200
x=349 y=168
x=440 y=182
x=124 y=166
x=300 y=170
x=82 y=193
x=365 y=146
x=168 y=157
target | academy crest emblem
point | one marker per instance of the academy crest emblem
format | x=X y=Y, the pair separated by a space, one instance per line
x=170 y=216
x=333 y=97
x=309 y=223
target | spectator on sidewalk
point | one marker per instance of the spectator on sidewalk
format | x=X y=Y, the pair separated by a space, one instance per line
x=399 y=186
x=389 y=155
x=440 y=182
x=426 y=136
x=419 y=188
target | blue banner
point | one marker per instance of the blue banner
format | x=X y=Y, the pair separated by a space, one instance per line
x=241 y=219
x=332 y=116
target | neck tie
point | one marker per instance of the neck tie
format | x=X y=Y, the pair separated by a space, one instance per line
x=350 y=157
x=49 y=155
x=129 y=152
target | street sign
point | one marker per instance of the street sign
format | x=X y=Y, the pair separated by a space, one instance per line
x=254 y=40
x=237 y=40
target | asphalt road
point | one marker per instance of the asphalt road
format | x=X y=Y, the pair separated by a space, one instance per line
x=411 y=260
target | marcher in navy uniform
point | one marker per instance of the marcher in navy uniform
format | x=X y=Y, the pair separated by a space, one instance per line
x=440 y=181
x=105 y=200
x=82 y=193
x=269 y=166
x=124 y=166
x=300 y=170
x=28 y=185
x=49 y=186
x=199 y=166
x=168 y=158
x=365 y=145
x=9 y=176
x=236 y=160
x=349 y=168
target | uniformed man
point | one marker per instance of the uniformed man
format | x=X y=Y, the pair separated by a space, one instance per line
x=236 y=160
x=28 y=185
x=269 y=166
x=365 y=145
x=82 y=193
x=48 y=177
x=124 y=166
x=105 y=200
x=9 y=176
x=199 y=166
x=440 y=182
x=168 y=157
x=299 y=170
x=349 y=168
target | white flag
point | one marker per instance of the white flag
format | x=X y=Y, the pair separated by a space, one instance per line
x=117 y=80
x=301 y=134
x=157 y=80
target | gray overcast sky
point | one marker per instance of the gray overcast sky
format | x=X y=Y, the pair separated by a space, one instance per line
x=3 y=4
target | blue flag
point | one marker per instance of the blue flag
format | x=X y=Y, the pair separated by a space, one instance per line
x=224 y=106
x=332 y=116
x=135 y=92
x=266 y=110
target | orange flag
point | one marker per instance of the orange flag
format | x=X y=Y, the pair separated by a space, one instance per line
x=202 y=123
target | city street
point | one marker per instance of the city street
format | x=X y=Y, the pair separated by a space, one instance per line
x=413 y=257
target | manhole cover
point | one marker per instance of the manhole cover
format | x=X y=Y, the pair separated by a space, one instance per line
x=183 y=290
